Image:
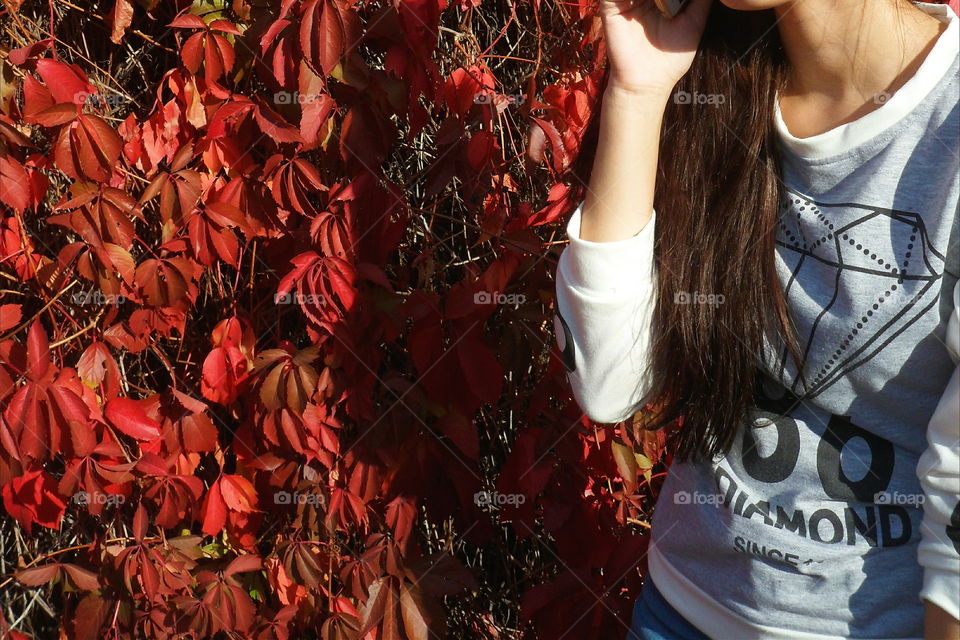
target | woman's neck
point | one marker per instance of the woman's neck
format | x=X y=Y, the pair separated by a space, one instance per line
x=847 y=57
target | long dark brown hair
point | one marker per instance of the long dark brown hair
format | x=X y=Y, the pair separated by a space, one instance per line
x=717 y=196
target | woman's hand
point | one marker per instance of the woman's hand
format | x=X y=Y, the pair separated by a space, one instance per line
x=647 y=51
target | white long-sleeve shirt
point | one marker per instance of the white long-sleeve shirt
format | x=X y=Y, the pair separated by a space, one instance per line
x=840 y=500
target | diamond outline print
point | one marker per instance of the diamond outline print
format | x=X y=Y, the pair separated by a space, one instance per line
x=901 y=294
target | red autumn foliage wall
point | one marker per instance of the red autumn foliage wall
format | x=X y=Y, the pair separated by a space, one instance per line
x=275 y=332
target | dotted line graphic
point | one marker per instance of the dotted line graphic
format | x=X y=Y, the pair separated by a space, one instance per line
x=793 y=238
x=858 y=340
x=876 y=306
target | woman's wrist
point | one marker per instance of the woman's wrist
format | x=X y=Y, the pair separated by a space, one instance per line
x=637 y=97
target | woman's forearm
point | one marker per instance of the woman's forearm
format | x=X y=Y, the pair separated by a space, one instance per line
x=619 y=201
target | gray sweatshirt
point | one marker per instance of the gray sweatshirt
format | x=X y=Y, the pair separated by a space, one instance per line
x=836 y=511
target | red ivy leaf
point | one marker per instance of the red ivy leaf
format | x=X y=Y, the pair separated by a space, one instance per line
x=66 y=83
x=82 y=579
x=10 y=315
x=129 y=417
x=16 y=184
x=188 y=21
x=36 y=576
x=92 y=365
x=38 y=352
x=322 y=36
x=21 y=55
x=214 y=511
x=88 y=149
x=119 y=19
x=32 y=498
x=243 y=564
x=273 y=124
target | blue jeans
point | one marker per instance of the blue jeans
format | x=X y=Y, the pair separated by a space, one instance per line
x=655 y=619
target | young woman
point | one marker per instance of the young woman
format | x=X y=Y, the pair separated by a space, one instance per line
x=768 y=248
